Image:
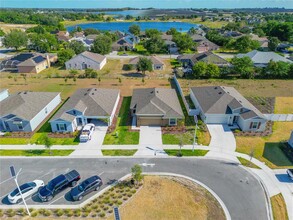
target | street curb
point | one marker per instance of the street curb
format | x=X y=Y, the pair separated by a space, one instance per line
x=265 y=189
x=227 y=214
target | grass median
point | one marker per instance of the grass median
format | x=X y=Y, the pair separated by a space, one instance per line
x=186 y=153
x=32 y=153
x=118 y=152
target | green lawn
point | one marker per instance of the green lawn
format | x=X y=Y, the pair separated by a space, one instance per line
x=186 y=153
x=247 y=163
x=118 y=152
x=30 y=153
x=124 y=136
x=274 y=153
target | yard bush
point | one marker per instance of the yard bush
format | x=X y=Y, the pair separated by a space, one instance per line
x=10 y=213
x=34 y=214
x=59 y=212
x=1 y=213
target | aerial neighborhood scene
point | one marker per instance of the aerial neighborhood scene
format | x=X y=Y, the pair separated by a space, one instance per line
x=146 y=110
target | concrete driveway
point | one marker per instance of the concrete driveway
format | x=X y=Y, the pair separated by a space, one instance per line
x=150 y=141
x=93 y=146
x=222 y=137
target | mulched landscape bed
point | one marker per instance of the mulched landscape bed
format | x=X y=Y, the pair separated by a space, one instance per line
x=268 y=131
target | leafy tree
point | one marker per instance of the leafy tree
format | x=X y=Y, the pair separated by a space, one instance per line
x=281 y=30
x=213 y=71
x=16 y=39
x=243 y=66
x=144 y=64
x=172 y=31
x=48 y=143
x=199 y=69
x=89 y=31
x=90 y=73
x=277 y=70
x=244 y=44
x=202 y=70
x=37 y=29
x=155 y=44
x=78 y=29
x=2 y=33
x=43 y=42
x=273 y=43
x=150 y=33
x=134 y=29
x=183 y=41
x=76 y=46
x=65 y=55
x=102 y=45
x=192 y=31
x=136 y=172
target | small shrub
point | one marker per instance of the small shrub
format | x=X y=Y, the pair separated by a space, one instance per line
x=119 y=202
x=85 y=214
x=59 y=212
x=110 y=210
x=31 y=209
x=77 y=212
x=125 y=198
x=119 y=196
x=95 y=206
x=34 y=214
x=102 y=205
x=69 y=213
x=106 y=208
x=102 y=214
x=94 y=215
x=1 y=213
x=10 y=213
x=47 y=213
x=129 y=194
x=133 y=191
x=98 y=210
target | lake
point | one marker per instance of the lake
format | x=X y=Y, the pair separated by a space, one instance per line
x=123 y=26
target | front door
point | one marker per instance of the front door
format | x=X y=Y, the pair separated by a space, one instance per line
x=84 y=66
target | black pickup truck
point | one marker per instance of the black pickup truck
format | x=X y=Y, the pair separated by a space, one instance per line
x=56 y=185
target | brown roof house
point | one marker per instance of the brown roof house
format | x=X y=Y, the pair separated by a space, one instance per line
x=126 y=43
x=86 y=60
x=157 y=63
x=203 y=44
x=89 y=105
x=207 y=57
x=25 y=111
x=63 y=36
x=225 y=105
x=155 y=107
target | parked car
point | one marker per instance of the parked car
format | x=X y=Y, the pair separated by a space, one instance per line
x=56 y=185
x=89 y=185
x=290 y=173
x=86 y=133
x=26 y=189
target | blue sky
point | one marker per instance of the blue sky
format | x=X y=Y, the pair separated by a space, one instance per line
x=146 y=3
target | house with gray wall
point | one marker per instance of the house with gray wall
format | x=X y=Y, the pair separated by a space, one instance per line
x=25 y=111
x=225 y=105
x=290 y=141
x=157 y=63
x=89 y=105
x=86 y=60
x=155 y=106
x=3 y=94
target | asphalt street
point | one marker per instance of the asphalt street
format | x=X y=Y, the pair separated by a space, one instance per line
x=237 y=188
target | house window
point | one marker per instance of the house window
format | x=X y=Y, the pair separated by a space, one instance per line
x=74 y=112
x=254 y=124
x=172 y=121
x=46 y=110
x=61 y=127
x=19 y=126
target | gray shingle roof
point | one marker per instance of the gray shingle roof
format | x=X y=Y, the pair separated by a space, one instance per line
x=263 y=57
x=93 y=56
x=156 y=101
x=91 y=101
x=26 y=105
x=207 y=57
x=155 y=60
x=222 y=100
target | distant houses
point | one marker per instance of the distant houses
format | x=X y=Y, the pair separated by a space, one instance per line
x=225 y=105
x=25 y=111
x=262 y=59
x=90 y=105
x=28 y=62
x=157 y=63
x=86 y=60
x=189 y=60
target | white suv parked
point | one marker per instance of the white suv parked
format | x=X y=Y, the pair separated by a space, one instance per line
x=86 y=133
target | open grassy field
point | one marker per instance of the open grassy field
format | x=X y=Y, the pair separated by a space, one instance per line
x=31 y=153
x=284 y=105
x=8 y=27
x=247 y=87
x=267 y=149
x=279 y=207
x=154 y=201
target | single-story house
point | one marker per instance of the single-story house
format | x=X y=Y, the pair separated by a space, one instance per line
x=263 y=41
x=63 y=36
x=262 y=59
x=207 y=57
x=225 y=105
x=3 y=94
x=86 y=60
x=157 y=63
x=155 y=106
x=25 y=111
x=28 y=62
x=89 y=105
x=126 y=43
x=203 y=44
x=290 y=141
x=172 y=47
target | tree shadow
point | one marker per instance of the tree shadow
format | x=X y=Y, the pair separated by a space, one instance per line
x=133 y=74
x=274 y=153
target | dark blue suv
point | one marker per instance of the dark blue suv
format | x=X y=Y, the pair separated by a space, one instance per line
x=91 y=184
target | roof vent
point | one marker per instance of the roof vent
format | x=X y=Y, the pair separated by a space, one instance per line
x=220 y=93
x=93 y=93
x=216 y=87
x=95 y=89
x=89 y=90
x=85 y=94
